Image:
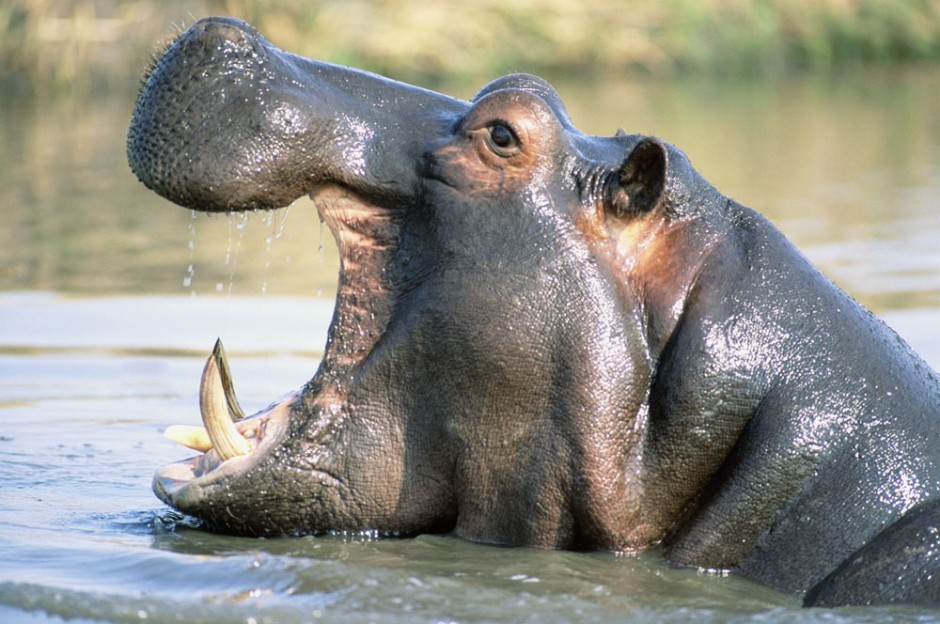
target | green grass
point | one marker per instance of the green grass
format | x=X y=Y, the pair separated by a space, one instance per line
x=50 y=46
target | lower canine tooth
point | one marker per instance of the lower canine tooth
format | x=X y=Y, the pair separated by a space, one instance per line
x=226 y=440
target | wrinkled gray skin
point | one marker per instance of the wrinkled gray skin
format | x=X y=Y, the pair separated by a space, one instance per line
x=544 y=338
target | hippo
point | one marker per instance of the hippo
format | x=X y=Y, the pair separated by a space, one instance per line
x=541 y=338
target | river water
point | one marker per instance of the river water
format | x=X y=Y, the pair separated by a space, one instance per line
x=110 y=298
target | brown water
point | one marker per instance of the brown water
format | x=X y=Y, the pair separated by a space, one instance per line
x=110 y=298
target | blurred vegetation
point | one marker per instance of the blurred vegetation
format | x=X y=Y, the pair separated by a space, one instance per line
x=54 y=46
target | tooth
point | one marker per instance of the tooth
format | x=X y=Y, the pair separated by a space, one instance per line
x=216 y=409
x=196 y=438
x=234 y=409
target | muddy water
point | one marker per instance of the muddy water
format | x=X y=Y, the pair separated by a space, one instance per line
x=110 y=298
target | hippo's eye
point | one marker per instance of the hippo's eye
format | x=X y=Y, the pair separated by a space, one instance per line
x=501 y=136
x=502 y=140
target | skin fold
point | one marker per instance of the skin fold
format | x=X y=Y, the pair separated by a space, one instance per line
x=544 y=338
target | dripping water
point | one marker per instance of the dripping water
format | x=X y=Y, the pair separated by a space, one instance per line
x=190 y=270
x=276 y=231
x=268 y=240
x=237 y=223
x=239 y=241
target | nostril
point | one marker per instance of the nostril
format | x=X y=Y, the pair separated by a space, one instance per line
x=230 y=29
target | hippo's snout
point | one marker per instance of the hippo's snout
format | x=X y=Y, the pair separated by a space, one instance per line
x=200 y=135
x=227 y=121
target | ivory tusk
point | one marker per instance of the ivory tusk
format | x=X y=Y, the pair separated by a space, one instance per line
x=215 y=408
x=234 y=409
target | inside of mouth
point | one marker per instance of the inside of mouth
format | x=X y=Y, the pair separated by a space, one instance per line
x=367 y=237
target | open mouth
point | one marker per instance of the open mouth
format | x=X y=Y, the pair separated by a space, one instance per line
x=231 y=444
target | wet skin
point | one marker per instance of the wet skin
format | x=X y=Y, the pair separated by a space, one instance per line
x=543 y=338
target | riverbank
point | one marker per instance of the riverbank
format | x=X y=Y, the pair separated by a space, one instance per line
x=54 y=46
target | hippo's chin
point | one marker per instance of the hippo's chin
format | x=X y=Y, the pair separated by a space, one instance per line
x=186 y=483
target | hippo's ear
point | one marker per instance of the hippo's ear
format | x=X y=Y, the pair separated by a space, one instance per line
x=641 y=179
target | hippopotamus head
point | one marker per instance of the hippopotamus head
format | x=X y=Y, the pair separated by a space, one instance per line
x=486 y=370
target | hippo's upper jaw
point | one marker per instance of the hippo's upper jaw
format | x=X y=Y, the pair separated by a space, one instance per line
x=226 y=121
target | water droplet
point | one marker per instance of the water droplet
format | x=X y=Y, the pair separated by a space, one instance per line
x=280 y=226
x=241 y=221
x=236 y=232
x=190 y=270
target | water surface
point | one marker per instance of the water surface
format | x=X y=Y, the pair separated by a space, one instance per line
x=110 y=298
